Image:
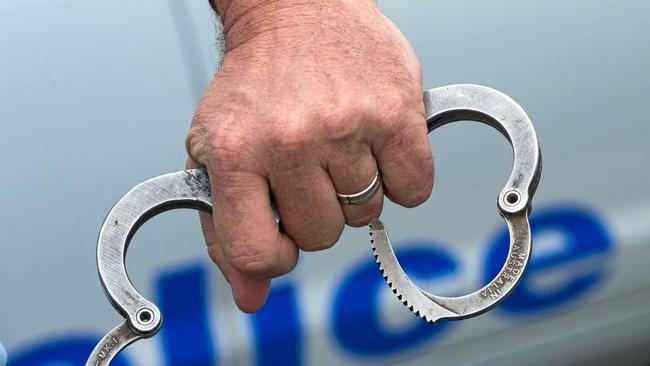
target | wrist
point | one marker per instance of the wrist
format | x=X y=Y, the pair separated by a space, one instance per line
x=244 y=20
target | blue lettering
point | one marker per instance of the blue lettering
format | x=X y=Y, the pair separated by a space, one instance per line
x=277 y=329
x=576 y=235
x=582 y=235
x=185 y=334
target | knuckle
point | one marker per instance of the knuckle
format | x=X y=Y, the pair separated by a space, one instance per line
x=223 y=146
x=321 y=239
x=415 y=197
x=227 y=151
x=193 y=144
x=195 y=140
x=342 y=122
x=415 y=192
x=292 y=138
x=253 y=261
x=392 y=112
x=410 y=139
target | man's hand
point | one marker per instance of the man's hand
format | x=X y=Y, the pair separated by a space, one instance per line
x=312 y=98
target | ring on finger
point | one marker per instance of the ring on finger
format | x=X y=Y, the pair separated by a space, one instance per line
x=362 y=196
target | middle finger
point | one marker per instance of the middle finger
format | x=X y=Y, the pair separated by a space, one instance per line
x=307 y=204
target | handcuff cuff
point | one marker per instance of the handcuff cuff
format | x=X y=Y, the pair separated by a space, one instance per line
x=191 y=189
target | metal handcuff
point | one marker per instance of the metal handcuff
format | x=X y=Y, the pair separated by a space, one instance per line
x=191 y=189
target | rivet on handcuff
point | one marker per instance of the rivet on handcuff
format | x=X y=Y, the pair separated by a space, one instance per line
x=191 y=189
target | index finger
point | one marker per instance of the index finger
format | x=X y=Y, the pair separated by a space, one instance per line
x=245 y=225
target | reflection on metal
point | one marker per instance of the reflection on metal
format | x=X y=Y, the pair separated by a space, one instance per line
x=191 y=189
x=482 y=104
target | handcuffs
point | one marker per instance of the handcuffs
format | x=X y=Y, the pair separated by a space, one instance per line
x=191 y=189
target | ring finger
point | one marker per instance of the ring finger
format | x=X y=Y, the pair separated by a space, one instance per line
x=354 y=171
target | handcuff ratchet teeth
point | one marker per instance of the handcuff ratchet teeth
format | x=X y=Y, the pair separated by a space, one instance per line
x=482 y=104
x=191 y=189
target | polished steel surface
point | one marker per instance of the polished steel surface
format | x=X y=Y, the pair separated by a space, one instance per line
x=482 y=104
x=191 y=189
x=112 y=343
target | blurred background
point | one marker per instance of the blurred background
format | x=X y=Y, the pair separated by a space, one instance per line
x=96 y=96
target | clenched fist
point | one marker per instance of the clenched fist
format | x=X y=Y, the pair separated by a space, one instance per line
x=312 y=98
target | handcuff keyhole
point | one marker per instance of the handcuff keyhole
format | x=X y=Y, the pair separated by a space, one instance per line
x=145 y=316
x=512 y=198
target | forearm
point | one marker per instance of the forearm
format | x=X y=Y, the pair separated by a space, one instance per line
x=246 y=19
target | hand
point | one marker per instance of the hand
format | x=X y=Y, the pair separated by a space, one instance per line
x=311 y=98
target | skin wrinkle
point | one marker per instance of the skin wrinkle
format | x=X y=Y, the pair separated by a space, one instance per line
x=311 y=97
x=257 y=20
